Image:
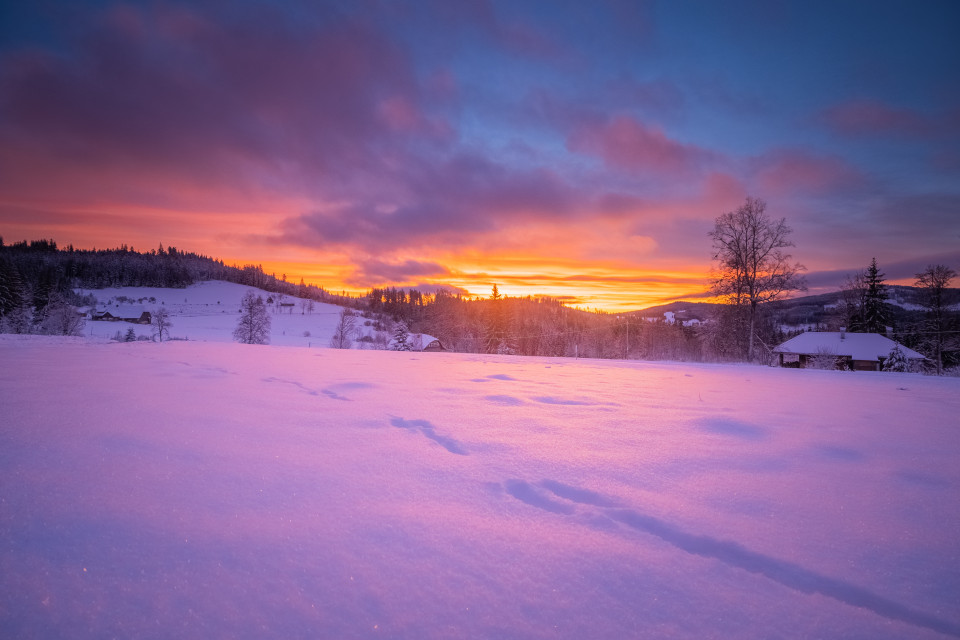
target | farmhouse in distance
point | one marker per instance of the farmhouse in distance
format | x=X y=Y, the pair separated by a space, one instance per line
x=854 y=351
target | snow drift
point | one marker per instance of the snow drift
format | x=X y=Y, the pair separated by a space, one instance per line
x=224 y=490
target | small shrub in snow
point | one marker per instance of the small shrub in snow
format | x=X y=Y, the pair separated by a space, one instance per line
x=823 y=359
x=896 y=361
x=60 y=319
x=505 y=349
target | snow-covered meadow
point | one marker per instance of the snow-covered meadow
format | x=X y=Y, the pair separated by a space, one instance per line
x=208 y=312
x=215 y=490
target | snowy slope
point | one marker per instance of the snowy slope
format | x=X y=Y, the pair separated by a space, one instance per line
x=208 y=311
x=221 y=490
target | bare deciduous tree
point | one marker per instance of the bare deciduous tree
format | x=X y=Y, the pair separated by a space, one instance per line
x=160 y=320
x=933 y=282
x=343 y=332
x=752 y=268
x=254 y=324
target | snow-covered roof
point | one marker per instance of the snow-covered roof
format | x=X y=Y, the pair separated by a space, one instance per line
x=416 y=340
x=858 y=346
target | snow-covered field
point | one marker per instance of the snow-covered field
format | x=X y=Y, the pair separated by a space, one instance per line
x=208 y=312
x=213 y=490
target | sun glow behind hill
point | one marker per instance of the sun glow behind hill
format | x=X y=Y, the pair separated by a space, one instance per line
x=605 y=286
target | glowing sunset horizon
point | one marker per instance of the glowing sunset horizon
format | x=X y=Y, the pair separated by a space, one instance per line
x=581 y=154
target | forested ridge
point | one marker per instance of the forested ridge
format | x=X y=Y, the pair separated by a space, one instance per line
x=42 y=268
x=41 y=284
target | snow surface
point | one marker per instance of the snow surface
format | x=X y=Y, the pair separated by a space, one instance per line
x=212 y=490
x=209 y=311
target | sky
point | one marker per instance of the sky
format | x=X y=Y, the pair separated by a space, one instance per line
x=580 y=150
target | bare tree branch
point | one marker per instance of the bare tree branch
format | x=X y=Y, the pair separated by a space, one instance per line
x=752 y=268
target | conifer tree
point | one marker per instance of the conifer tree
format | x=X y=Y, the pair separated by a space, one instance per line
x=874 y=313
x=400 y=338
x=12 y=293
x=896 y=361
x=20 y=320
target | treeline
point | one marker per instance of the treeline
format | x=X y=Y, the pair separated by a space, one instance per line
x=541 y=326
x=38 y=278
x=530 y=326
x=925 y=317
x=39 y=284
x=41 y=264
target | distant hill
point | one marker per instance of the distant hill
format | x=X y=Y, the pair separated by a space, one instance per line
x=798 y=311
x=42 y=268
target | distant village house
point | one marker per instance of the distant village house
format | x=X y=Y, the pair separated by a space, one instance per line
x=435 y=345
x=854 y=351
x=137 y=315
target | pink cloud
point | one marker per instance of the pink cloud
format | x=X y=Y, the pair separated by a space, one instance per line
x=442 y=85
x=177 y=102
x=871 y=117
x=373 y=272
x=525 y=39
x=449 y=202
x=657 y=96
x=724 y=190
x=791 y=171
x=401 y=115
x=625 y=143
x=515 y=36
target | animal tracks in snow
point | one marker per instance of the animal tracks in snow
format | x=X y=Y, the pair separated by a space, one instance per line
x=513 y=401
x=298 y=385
x=526 y=492
x=495 y=376
x=428 y=430
x=723 y=426
x=330 y=392
x=566 y=500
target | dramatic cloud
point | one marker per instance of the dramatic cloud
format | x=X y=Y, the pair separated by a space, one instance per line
x=210 y=103
x=785 y=172
x=627 y=144
x=448 y=202
x=897 y=272
x=871 y=117
x=373 y=272
x=435 y=141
